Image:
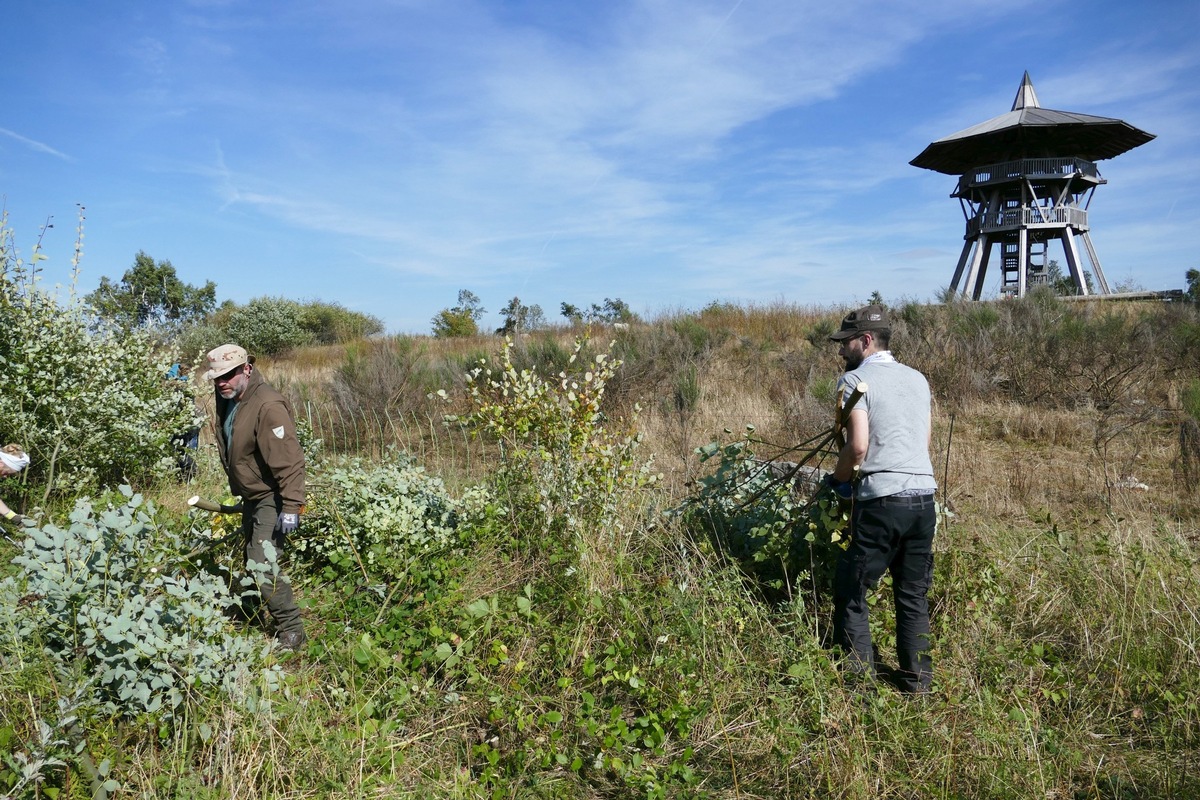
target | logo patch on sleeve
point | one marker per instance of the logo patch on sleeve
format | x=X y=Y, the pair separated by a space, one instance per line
x=278 y=432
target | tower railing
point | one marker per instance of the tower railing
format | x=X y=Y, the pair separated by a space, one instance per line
x=1028 y=168
x=1028 y=216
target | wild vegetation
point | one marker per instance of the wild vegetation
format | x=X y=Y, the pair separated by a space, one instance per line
x=553 y=567
x=151 y=299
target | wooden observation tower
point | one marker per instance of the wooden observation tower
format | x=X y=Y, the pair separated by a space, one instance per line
x=1026 y=179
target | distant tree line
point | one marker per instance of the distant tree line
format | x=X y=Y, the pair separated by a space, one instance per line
x=612 y=310
x=150 y=297
x=463 y=319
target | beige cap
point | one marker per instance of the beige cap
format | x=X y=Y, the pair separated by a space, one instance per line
x=223 y=359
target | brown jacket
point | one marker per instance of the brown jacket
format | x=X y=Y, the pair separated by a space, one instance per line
x=264 y=458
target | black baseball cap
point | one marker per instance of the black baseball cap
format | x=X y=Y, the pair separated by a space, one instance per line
x=867 y=318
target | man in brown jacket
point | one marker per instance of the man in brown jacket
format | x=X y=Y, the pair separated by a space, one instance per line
x=256 y=436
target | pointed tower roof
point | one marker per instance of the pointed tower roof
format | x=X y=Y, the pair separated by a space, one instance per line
x=1026 y=96
x=1030 y=131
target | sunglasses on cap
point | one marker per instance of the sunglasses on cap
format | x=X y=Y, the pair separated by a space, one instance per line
x=233 y=373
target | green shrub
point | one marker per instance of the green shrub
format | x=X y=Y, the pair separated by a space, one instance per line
x=1041 y=350
x=540 y=353
x=819 y=333
x=330 y=323
x=784 y=542
x=193 y=341
x=386 y=521
x=268 y=326
x=448 y=324
x=568 y=480
x=383 y=376
x=112 y=599
x=656 y=358
x=1190 y=399
x=90 y=404
x=460 y=320
x=698 y=338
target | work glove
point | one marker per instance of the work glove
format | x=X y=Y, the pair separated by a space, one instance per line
x=16 y=519
x=288 y=523
x=843 y=489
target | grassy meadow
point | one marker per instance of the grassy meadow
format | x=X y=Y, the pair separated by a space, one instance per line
x=581 y=625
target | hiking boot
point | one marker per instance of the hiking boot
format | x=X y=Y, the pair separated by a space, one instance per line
x=291 y=640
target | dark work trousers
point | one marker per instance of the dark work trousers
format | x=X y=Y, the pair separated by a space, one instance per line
x=260 y=524
x=896 y=534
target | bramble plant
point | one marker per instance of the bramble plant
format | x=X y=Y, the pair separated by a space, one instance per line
x=778 y=538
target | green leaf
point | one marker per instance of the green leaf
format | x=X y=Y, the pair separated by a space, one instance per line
x=480 y=608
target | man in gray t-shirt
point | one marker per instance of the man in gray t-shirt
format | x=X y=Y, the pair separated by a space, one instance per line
x=885 y=470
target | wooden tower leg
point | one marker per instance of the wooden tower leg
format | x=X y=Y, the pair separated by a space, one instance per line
x=1022 y=261
x=962 y=263
x=979 y=266
x=1097 y=272
x=1073 y=264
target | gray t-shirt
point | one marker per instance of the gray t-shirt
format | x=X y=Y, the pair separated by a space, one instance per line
x=897 y=403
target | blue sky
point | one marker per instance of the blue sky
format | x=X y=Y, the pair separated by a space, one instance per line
x=385 y=154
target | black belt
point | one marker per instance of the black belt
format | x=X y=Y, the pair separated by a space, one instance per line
x=916 y=502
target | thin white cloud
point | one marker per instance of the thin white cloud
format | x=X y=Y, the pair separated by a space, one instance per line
x=639 y=143
x=35 y=145
x=572 y=138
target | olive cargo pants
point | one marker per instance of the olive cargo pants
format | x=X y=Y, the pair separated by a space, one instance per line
x=260 y=524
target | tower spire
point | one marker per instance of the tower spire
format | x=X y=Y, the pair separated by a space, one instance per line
x=1026 y=96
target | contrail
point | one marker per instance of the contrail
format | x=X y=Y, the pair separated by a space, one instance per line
x=41 y=148
x=717 y=30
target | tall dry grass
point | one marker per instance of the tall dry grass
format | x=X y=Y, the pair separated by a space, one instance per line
x=1065 y=623
x=1040 y=405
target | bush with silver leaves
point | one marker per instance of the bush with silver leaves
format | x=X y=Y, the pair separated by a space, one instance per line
x=382 y=519
x=111 y=597
x=268 y=326
x=90 y=404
